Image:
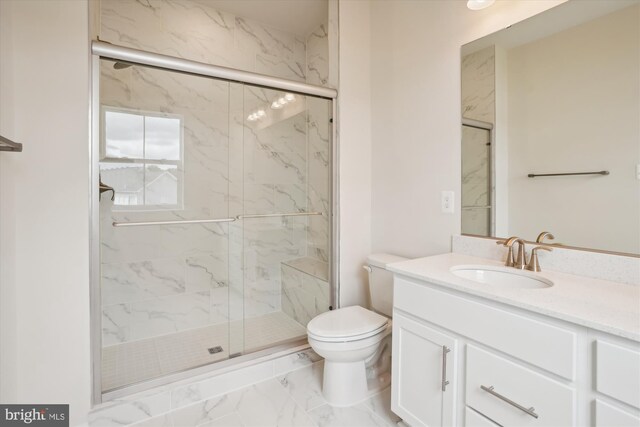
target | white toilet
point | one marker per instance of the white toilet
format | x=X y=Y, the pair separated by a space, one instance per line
x=349 y=336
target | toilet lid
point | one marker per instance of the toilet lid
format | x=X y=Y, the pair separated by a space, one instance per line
x=346 y=322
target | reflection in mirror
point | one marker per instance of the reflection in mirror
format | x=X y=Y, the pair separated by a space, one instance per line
x=553 y=95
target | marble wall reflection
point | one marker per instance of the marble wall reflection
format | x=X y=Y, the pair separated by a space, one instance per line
x=163 y=279
x=478 y=103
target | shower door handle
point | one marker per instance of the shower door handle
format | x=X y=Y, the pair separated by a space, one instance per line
x=105 y=188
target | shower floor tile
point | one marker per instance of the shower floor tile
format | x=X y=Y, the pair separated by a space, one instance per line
x=136 y=361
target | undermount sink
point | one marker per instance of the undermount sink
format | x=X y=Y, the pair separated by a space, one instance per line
x=506 y=277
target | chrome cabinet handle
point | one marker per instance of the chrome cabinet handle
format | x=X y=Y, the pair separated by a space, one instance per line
x=529 y=411
x=445 y=383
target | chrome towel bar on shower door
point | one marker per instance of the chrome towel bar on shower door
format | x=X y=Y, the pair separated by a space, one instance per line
x=175 y=222
x=278 y=214
x=206 y=221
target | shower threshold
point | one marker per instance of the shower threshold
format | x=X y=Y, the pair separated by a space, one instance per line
x=138 y=361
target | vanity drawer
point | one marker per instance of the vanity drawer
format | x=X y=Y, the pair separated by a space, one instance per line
x=474 y=419
x=541 y=344
x=618 y=372
x=495 y=387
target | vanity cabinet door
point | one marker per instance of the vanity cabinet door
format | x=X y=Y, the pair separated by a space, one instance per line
x=423 y=377
x=610 y=416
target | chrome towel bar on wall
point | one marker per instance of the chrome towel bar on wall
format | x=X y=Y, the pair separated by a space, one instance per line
x=8 y=145
x=533 y=175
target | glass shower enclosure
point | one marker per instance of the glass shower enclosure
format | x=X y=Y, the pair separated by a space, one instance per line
x=214 y=216
x=477 y=178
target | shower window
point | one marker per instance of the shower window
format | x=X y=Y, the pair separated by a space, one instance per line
x=141 y=158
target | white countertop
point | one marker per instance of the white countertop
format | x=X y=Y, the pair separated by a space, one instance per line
x=606 y=306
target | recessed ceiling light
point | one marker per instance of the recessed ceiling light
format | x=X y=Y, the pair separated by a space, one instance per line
x=479 y=4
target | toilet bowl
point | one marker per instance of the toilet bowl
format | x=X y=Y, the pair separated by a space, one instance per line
x=348 y=337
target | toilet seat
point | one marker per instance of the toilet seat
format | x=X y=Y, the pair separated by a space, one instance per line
x=346 y=324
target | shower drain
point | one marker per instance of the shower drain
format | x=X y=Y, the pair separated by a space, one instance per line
x=214 y=350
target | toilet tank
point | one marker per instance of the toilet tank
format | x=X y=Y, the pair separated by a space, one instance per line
x=381 y=282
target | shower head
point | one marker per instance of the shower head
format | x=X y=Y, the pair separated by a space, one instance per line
x=121 y=65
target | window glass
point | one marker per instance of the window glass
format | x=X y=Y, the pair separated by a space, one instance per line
x=162 y=138
x=161 y=186
x=127 y=180
x=124 y=135
x=142 y=158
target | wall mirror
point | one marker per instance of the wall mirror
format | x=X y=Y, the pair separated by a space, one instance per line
x=551 y=128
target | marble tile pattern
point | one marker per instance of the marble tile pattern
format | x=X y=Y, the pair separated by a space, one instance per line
x=611 y=267
x=478 y=103
x=304 y=294
x=476 y=188
x=478 y=85
x=318 y=146
x=167 y=279
x=253 y=396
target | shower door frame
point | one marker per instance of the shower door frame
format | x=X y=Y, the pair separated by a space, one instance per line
x=102 y=50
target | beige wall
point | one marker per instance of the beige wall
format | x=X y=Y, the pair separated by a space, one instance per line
x=415 y=114
x=572 y=115
x=354 y=128
x=44 y=267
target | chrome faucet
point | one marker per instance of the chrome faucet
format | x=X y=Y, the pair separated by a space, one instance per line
x=520 y=260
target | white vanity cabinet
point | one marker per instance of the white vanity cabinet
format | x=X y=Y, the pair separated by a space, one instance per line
x=424 y=373
x=506 y=366
x=617 y=376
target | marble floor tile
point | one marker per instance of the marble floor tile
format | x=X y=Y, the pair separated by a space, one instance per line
x=159 y=421
x=268 y=404
x=231 y=420
x=354 y=416
x=380 y=404
x=291 y=400
x=205 y=412
x=305 y=386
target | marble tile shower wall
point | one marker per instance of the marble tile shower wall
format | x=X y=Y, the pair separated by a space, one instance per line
x=158 y=280
x=478 y=103
x=318 y=145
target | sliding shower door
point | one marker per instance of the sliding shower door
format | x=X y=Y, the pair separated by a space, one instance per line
x=215 y=219
x=164 y=149
x=285 y=214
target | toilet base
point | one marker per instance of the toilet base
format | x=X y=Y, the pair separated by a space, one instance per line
x=344 y=383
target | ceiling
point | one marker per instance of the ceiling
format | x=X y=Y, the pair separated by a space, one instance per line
x=295 y=16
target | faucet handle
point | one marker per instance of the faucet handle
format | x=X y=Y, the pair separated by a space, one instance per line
x=544 y=235
x=533 y=264
x=509 y=262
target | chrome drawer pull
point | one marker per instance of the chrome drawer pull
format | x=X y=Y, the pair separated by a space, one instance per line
x=445 y=383
x=530 y=411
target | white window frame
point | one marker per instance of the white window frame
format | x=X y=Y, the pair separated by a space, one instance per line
x=144 y=161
